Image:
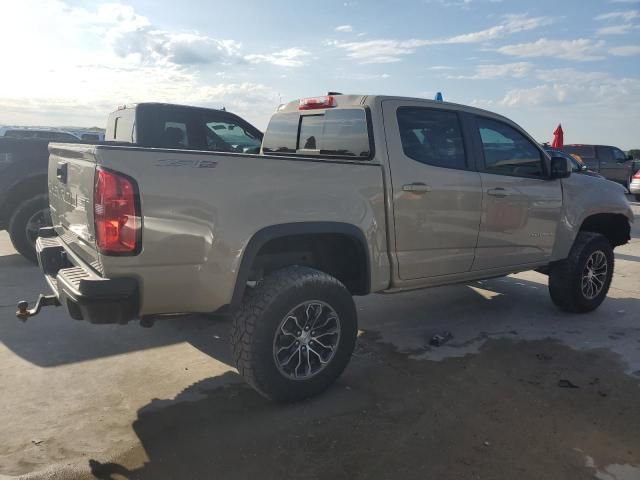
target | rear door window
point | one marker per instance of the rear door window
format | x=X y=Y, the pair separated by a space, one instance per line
x=333 y=133
x=604 y=154
x=432 y=136
x=175 y=135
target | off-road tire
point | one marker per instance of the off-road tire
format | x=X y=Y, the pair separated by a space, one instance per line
x=259 y=316
x=565 y=277
x=18 y=225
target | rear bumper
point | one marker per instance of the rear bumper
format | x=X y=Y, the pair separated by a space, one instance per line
x=85 y=294
x=634 y=187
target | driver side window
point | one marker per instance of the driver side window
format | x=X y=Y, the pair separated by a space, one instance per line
x=507 y=151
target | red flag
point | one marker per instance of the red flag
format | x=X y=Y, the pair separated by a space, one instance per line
x=558 y=137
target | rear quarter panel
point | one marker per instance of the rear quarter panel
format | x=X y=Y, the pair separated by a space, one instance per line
x=200 y=210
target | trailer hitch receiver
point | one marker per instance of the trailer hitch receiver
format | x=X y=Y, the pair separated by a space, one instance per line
x=24 y=312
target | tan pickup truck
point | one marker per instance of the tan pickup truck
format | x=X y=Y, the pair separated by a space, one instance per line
x=349 y=195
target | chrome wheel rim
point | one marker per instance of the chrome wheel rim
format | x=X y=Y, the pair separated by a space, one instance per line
x=35 y=223
x=306 y=340
x=594 y=275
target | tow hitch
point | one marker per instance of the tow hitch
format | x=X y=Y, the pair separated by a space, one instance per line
x=24 y=312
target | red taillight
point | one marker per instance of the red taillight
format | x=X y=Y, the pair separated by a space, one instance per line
x=637 y=175
x=117 y=214
x=317 y=102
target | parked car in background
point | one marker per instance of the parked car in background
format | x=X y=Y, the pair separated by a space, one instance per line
x=610 y=162
x=577 y=165
x=350 y=195
x=163 y=125
x=24 y=205
x=37 y=133
x=634 y=188
x=24 y=154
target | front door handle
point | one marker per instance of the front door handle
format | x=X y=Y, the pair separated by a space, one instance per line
x=416 y=188
x=498 y=192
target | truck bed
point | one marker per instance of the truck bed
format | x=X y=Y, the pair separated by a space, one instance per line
x=197 y=207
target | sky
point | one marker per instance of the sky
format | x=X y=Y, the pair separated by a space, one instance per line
x=538 y=62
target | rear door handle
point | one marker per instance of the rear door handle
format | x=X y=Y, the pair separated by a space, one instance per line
x=416 y=188
x=61 y=171
x=498 y=192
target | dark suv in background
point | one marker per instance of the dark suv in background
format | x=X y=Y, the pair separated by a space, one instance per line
x=610 y=162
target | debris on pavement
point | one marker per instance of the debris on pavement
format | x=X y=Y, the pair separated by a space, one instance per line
x=563 y=383
x=440 y=339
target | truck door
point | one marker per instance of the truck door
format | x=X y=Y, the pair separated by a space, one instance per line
x=436 y=193
x=613 y=164
x=521 y=207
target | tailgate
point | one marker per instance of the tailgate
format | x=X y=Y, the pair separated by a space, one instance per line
x=71 y=183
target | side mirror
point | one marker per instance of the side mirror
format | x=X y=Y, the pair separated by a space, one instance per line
x=560 y=167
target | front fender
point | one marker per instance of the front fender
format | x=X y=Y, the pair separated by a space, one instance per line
x=582 y=197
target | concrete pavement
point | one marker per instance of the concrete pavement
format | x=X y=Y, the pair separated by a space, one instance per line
x=126 y=402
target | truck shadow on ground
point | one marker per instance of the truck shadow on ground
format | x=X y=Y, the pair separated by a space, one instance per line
x=491 y=308
x=498 y=414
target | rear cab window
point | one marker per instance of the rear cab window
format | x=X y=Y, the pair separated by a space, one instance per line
x=335 y=133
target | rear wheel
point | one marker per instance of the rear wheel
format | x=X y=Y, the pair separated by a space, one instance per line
x=27 y=219
x=580 y=283
x=294 y=333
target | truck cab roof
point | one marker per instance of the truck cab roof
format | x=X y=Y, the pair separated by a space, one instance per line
x=353 y=100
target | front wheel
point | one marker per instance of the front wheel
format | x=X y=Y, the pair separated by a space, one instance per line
x=294 y=333
x=580 y=283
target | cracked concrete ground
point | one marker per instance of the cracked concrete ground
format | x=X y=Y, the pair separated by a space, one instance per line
x=84 y=401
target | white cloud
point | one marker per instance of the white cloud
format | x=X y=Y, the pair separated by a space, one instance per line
x=488 y=72
x=344 y=28
x=511 y=24
x=581 y=49
x=77 y=64
x=577 y=88
x=452 y=3
x=625 y=50
x=366 y=76
x=621 y=29
x=626 y=16
x=621 y=22
x=389 y=51
x=379 y=51
x=290 y=57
